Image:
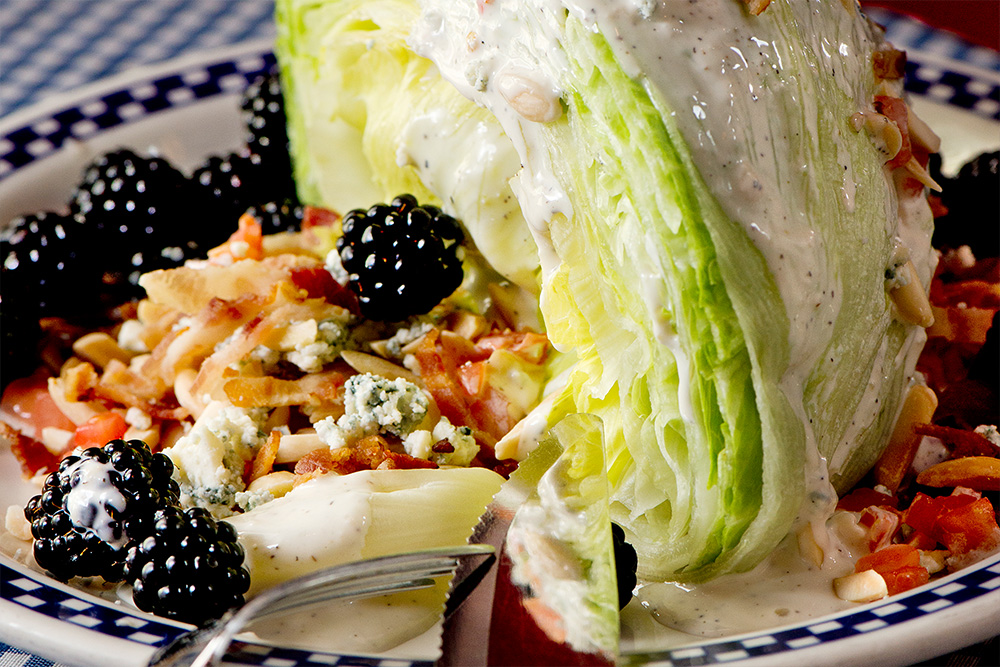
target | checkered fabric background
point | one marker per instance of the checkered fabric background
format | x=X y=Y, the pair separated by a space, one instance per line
x=50 y=46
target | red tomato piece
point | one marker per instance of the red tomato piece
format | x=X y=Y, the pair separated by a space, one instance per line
x=905 y=578
x=99 y=430
x=314 y=216
x=887 y=559
x=28 y=407
x=969 y=527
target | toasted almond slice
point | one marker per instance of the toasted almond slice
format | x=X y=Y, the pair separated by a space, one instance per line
x=369 y=363
x=866 y=586
x=99 y=348
x=981 y=473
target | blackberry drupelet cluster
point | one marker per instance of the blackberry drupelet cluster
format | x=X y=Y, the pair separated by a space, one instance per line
x=259 y=173
x=190 y=568
x=96 y=505
x=402 y=258
x=131 y=214
x=972 y=198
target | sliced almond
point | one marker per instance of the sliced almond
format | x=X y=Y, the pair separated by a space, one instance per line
x=981 y=473
x=369 y=363
x=866 y=586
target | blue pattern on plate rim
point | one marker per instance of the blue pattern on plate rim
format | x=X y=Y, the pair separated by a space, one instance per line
x=43 y=136
x=35 y=592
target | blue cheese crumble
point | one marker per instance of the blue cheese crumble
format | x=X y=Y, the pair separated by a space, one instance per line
x=210 y=458
x=332 y=336
x=374 y=404
x=420 y=444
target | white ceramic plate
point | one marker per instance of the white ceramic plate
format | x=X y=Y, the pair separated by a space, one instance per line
x=188 y=109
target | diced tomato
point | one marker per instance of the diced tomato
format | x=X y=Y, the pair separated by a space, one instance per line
x=319 y=284
x=862 y=497
x=969 y=527
x=530 y=346
x=889 y=558
x=919 y=540
x=314 y=216
x=923 y=513
x=99 y=430
x=28 y=407
x=247 y=242
x=905 y=578
x=881 y=524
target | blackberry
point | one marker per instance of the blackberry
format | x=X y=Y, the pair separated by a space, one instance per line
x=233 y=183
x=276 y=217
x=43 y=260
x=189 y=569
x=132 y=208
x=264 y=116
x=96 y=505
x=626 y=563
x=973 y=202
x=402 y=259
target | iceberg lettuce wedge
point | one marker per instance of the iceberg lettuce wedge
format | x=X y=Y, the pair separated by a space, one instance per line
x=712 y=241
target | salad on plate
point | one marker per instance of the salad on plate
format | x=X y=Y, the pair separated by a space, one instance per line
x=671 y=262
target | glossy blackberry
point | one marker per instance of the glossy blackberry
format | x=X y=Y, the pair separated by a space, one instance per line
x=277 y=217
x=973 y=202
x=189 y=569
x=402 y=258
x=43 y=260
x=264 y=116
x=233 y=183
x=96 y=505
x=132 y=208
x=626 y=563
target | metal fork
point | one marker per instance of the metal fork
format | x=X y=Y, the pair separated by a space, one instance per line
x=205 y=647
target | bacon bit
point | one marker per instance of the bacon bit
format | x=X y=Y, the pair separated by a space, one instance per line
x=889 y=63
x=263 y=461
x=319 y=284
x=968 y=325
x=971 y=293
x=308 y=477
x=439 y=382
x=881 y=524
x=863 y=497
x=79 y=381
x=313 y=389
x=442 y=447
x=961 y=442
x=30 y=453
x=370 y=453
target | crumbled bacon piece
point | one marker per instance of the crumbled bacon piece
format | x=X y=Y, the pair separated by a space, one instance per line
x=889 y=63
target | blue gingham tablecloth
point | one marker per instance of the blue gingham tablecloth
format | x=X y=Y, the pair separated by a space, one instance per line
x=52 y=46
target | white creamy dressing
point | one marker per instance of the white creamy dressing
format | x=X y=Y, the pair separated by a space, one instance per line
x=783 y=589
x=731 y=74
x=321 y=523
x=92 y=497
